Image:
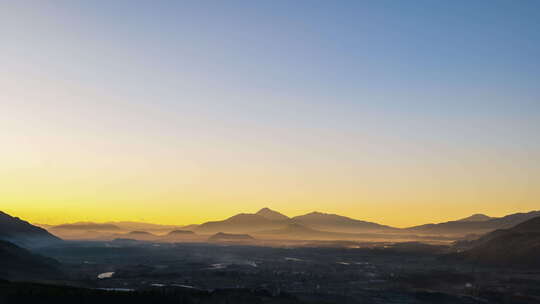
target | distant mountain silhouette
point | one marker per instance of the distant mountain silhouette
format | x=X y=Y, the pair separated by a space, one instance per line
x=293 y=229
x=17 y=263
x=189 y=227
x=476 y=218
x=140 y=233
x=180 y=232
x=272 y=215
x=518 y=246
x=154 y=228
x=321 y=224
x=140 y=236
x=86 y=226
x=181 y=236
x=74 y=229
x=338 y=223
x=22 y=233
x=465 y=227
x=220 y=237
x=301 y=232
x=240 y=223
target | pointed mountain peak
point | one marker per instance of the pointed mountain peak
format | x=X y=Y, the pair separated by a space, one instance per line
x=271 y=214
x=476 y=218
x=317 y=214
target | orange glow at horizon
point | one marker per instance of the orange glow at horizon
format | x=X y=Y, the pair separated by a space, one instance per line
x=214 y=111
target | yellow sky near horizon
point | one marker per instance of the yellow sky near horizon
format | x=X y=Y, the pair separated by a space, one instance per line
x=51 y=218
x=182 y=113
x=53 y=173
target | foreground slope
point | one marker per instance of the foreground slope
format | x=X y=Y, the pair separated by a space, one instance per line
x=22 y=233
x=516 y=246
x=17 y=263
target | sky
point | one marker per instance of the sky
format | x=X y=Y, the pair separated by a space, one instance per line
x=180 y=112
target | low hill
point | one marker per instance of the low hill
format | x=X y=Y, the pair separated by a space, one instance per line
x=180 y=233
x=17 y=263
x=220 y=237
x=22 y=233
x=182 y=236
x=140 y=235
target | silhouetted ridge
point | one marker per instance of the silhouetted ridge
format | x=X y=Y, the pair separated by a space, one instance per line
x=180 y=232
x=337 y=223
x=519 y=245
x=22 y=233
x=140 y=233
x=476 y=226
x=220 y=236
x=532 y=225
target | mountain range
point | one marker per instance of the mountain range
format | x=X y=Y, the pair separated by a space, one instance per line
x=313 y=225
x=513 y=239
x=111 y=226
x=467 y=225
x=266 y=220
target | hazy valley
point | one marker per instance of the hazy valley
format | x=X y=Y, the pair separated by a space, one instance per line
x=266 y=256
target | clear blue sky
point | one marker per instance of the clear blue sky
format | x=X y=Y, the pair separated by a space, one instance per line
x=320 y=92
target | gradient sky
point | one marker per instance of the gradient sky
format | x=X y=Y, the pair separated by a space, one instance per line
x=178 y=112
